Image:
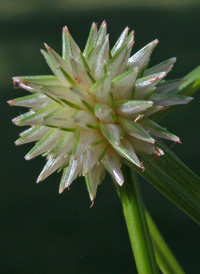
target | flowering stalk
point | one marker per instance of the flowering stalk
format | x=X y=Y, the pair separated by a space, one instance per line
x=138 y=224
x=97 y=111
x=135 y=218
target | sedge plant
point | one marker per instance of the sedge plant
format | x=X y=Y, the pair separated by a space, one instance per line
x=99 y=113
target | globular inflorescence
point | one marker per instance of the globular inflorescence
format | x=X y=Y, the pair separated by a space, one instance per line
x=96 y=109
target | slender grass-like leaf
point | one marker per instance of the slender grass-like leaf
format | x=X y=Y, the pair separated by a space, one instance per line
x=164 y=257
x=174 y=179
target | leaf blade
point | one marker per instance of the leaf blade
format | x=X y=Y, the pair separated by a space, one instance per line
x=175 y=180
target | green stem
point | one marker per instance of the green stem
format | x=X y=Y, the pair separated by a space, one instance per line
x=134 y=214
x=164 y=257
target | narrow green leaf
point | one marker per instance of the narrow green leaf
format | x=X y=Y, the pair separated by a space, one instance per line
x=164 y=257
x=175 y=180
x=192 y=84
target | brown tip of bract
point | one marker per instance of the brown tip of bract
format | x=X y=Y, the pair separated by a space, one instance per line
x=40 y=177
x=173 y=59
x=10 y=102
x=164 y=108
x=162 y=75
x=92 y=204
x=177 y=141
x=142 y=167
x=61 y=190
x=17 y=81
x=121 y=183
x=65 y=29
x=104 y=23
x=27 y=158
x=131 y=39
x=127 y=29
x=47 y=47
x=95 y=25
x=157 y=155
x=14 y=121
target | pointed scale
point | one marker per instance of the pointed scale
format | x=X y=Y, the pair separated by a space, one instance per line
x=159 y=131
x=129 y=108
x=45 y=144
x=91 y=40
x=136 y=130
x=101 y=89
x=70 y=173
x=112 y=162
x=32 y=134
x=145 y=85
x=91 y=157
x=120 y=42
x=164 y=66
x=167 y=100
x=52 y=165
x=140 y=58
x=93 y=179
x=118 y=62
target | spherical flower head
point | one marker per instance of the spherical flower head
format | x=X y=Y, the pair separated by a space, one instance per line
x=96 y=109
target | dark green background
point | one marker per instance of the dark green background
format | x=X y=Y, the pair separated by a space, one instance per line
x=46 y=233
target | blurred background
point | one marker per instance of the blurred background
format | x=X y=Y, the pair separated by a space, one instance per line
x=46 y=233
